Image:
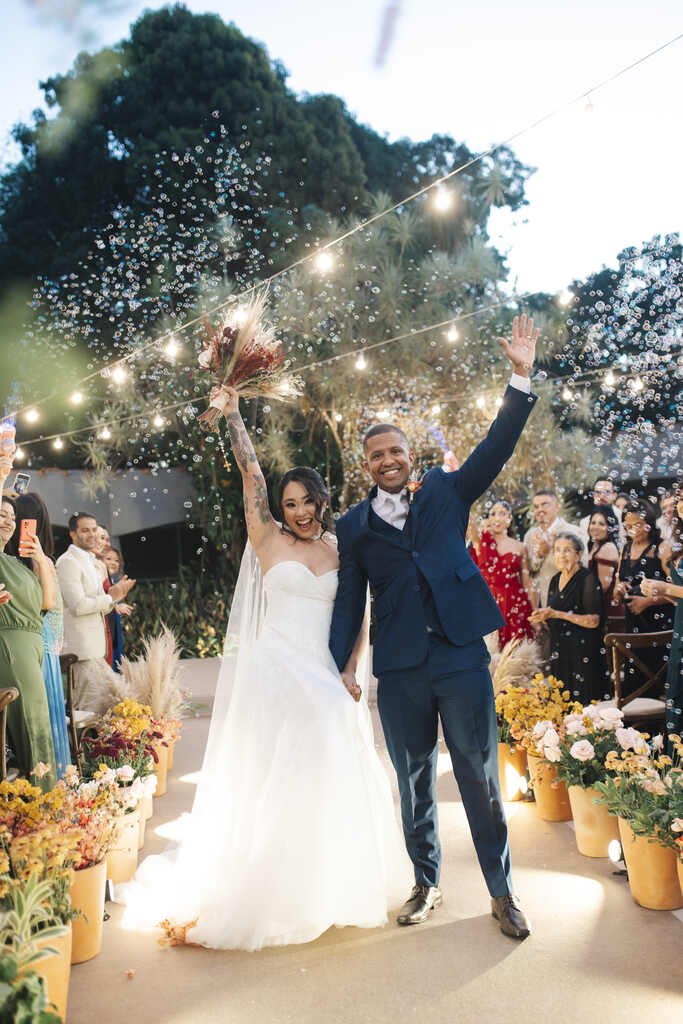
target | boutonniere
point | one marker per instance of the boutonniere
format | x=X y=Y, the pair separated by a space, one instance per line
x=413 y=486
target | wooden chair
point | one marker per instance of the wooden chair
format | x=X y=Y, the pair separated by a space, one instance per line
x=650 y=712
x=6 y=698
x=77 y=720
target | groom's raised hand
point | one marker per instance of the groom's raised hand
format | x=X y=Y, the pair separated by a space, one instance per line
x=522 y=349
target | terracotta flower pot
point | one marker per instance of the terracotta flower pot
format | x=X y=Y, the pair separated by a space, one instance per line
x=551 y=796
x=122 y=859
x=87 y=895
x=512 y=767
x=141 y=829
x=594 y=827
x=161 y=769
x=55 y=969
x=652 y=874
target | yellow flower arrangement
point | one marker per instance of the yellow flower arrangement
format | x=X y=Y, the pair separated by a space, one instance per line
x=521 y=708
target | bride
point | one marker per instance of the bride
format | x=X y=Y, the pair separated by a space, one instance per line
x=293 y=828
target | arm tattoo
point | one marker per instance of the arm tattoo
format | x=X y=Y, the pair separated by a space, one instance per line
x=256 y=508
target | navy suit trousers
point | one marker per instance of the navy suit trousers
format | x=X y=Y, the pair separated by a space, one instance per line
x=411 y=702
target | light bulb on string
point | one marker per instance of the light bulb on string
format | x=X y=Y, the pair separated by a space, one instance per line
x=338 y=417
x=567 y=394
x=77 y=398
x=443 y=199
x=58 y=443
x=361 y=363
x=610 y=379
x=565 y=297
x=19 y=455
x=324 y=262
x=452 y=333
x=239 y=315
x=499 y=402
x=104 y=434
x=588 y=108
x=32 y=415
x=383 y=414
x=636 y=384
x=171 y=349
x=158 y=421
x=481 y=402
x=436 y=409
x=118 y=374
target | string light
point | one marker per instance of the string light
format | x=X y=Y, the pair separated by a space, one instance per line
x=436 y=409
x=32 y=415
x=324 y=261
x=583 y=96
x=58 y=443
x=172 y=349
x=567 y=394
x=158 y=421
x=481 y=402
x=361 y=363
x=383 y=414
x=499 y=402
x=443 y=200
x=19 y=455
x=77 y=398
x=610 y=379
x=636 y=384
x=452 y=334
x=339 y=417
x=239 y=315
x=565 y=297
x=105 y=434
x=118 y=375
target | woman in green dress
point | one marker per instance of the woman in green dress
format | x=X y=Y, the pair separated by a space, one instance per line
x=23 y=597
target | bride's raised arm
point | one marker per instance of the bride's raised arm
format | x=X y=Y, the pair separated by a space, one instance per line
x=260 y=522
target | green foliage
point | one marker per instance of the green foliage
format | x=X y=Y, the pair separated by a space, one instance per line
x=587 y=773
x=28 y=908
x=195 y=607
x=23 y=999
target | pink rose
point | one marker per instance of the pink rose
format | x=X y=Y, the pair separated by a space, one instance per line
x=582 y=750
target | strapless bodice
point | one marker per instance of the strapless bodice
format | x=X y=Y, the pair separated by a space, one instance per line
x=299 y=603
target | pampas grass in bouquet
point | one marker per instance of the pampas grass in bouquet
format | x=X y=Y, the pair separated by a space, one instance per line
x=515 y=665
x=153 y=679
x=244 y=353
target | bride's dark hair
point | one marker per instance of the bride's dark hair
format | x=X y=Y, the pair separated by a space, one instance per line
x=315 y=487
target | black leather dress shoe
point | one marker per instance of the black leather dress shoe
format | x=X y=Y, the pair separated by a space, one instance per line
x=422 y=900
x=513 y=921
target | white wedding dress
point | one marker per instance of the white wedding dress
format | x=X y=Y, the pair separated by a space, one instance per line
x=293 y=827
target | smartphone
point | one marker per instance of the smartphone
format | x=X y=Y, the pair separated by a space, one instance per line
x=27 y=530
x=21 y=482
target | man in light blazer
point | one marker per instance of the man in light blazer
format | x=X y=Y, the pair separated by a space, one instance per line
x=85 y=605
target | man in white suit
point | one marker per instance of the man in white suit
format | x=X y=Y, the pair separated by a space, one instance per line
x=539 y=540
x=85 y=605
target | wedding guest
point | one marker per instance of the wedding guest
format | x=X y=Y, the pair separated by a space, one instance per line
x=25 y=594
x=504 y=564
x=603 y=557
x=672 y=589
x=85 y=605
x=621 y=501
x=665 y=522
x=574 y=617
x=113 y=560
x=32 y=506
x=644 y=556
x=538 y=541
x=604 y=496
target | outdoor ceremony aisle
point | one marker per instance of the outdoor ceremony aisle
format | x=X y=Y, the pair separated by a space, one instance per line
x=594 y=953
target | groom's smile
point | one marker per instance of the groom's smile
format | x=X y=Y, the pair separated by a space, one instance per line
x=388 y=458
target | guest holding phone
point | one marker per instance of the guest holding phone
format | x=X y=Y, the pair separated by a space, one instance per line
x=26 y=593
x=31 y=508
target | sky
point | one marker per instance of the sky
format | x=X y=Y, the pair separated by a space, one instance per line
x=606 y=178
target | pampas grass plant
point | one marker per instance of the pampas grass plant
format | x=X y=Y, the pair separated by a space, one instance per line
x=515 y=665
x=153 y=678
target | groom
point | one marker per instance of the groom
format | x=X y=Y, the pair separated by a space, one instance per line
x=432 y=610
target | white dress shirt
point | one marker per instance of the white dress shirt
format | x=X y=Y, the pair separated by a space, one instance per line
x=393 y=508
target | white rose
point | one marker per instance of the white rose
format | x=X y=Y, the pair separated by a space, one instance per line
x=89 y=789
x=204 y=358
x=551 y=738
x=552 y=753
x=611 y=718
x=677 y=825
x=592 y=711
x=627 y=738
x=658 y=742
x=125 y=773
x=540 y=729
x=583 y=750
x=576 y=728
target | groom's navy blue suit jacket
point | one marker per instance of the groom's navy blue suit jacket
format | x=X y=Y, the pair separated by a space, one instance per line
x=429 y=555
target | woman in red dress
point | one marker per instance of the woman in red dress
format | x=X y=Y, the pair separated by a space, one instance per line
x=504 y=565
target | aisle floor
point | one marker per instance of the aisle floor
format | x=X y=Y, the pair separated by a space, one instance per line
x=593 y=954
